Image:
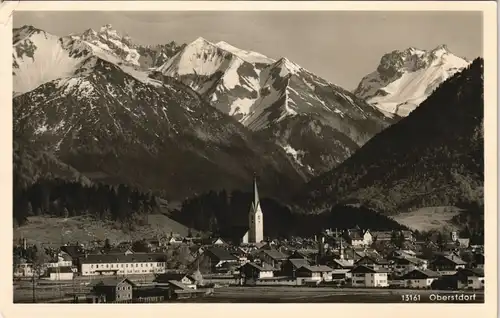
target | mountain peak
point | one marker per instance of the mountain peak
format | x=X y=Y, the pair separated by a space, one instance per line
x=248 y=56
x=201 y=41
x=404 y=79
x=288 y=65
x=107 y=28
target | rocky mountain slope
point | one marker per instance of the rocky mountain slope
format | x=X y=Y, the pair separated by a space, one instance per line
x=404 y=79
x=280 y=100
x=433 y=157
x=113 y=123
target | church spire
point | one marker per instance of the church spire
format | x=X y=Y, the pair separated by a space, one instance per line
x=256 y=199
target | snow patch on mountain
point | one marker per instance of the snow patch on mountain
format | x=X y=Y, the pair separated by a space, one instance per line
x=111 y=42
x=406 y=78
x=247 y=56
x=200 y=57
x=39 y=57
x=296 y=154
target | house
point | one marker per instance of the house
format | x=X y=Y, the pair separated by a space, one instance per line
x=367 y=238
x=316 y=273
x=252 y=271
x=272 y=257
x=115 y=290
x=61 y=260
x=291 y=265
x=307 y=254
x=23 y=269
x=341 y=264
x=174 y=240
x=354 y=237
x=59 y=273
x=381 y=236
x=407 y=235
x=184 y=278
x=403 y=253
x=420 y=278
x=75 y=252
x=374 y=262
x=447 y=263
x=216 y=260
x=463 y=242
x=403 y=265
x=470 y=278
x=364 y=276
x=121 y=264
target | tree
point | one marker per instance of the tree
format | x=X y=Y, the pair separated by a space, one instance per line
x=40 y=259
x=107 y=245
x=29 y=209
x=440 y=241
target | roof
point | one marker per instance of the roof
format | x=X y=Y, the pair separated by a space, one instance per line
x=356 y=235
x=65 y=256
x=72 y=250
x=122 y=258
x=298 y=262
x=424 y=273
x=178 y=284
x=343 y=263
x=112 y=282
x=169 y=276
x=366 y=269
x=413 y=260
x=317 y=268
x=477 y=272
x=382 y=234
x=263 y=267
x=455 y=259
x=275 y=254
x=375 y=260
x=221 y=254
x=62 y=269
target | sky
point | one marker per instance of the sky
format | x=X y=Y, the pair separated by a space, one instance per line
x=341 y=47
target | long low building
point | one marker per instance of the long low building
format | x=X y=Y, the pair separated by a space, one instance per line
x=121 y=264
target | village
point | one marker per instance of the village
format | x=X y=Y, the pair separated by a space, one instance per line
x=175 y=268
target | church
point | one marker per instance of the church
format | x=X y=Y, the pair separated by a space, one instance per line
x=255 y=233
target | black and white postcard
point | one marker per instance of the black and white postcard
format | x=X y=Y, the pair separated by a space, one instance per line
x=187 y=153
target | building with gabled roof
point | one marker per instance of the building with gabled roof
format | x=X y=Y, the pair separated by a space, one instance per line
x=420 y=278
x=115 y=290
x=364 y=276
x=316 y=272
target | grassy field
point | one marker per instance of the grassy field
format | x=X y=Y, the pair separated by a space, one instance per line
x=429 y=218
x=321 y=295
x=58 y=292
x=47 y=230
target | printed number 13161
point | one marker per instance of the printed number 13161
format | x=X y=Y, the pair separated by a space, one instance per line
x=410 y=298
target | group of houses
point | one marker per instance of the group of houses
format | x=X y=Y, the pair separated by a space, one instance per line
x=337 y=258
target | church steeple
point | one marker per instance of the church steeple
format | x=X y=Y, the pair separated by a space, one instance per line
x=256 y=200
x=255 y=217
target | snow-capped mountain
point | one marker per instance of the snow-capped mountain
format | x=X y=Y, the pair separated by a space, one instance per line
x=40 y=57
x=154 y=56
x=113 y=123
x=108 y=40
x=265 y=94
x=406 y=78
x=433 y=157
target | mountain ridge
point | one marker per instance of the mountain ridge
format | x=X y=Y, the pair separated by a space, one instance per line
x=404 y=79
x=416 y=162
